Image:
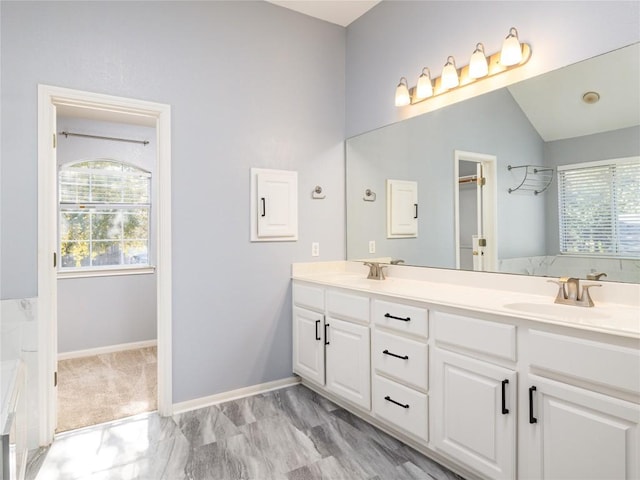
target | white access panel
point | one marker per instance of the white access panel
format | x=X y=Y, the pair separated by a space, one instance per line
x=402 y=209
x=274 y=205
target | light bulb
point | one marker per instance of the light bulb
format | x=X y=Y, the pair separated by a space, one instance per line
x=511 y=53
x=449 y=77
x=424 y=87
x=402 y=93
x=478 y=66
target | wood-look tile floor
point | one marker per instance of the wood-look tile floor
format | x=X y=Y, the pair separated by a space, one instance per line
x=287 y=434
x=101 y=388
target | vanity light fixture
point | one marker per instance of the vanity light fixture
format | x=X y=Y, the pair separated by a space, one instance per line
x=478 y=66
x=402 y=93
x=424 y=87
x=513 y=55
x=450 y=74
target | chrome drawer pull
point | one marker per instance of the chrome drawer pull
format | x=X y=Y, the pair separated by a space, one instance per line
x=388 y=315
x=389 y=399
x=403 y=357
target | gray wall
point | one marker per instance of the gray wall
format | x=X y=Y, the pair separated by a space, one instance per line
x=103 y=311
x=250 y=85
x=589 y=148
x=422 y=149
x=398 y=38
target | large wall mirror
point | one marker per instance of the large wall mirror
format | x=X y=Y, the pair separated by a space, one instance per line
x=489 y=177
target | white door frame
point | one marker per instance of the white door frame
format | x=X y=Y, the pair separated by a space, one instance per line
x=489 y=202
x=49 y=98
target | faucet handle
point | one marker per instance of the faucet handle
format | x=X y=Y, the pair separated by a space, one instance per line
x=564 y=280
x=374 y=270
x=562 y=294
x=585 y=298
x=381 y=271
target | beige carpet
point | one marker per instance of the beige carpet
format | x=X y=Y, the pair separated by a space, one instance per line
x=106 y=387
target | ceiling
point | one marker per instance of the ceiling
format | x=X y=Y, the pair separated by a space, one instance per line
x=553 y=102
x=340 y=12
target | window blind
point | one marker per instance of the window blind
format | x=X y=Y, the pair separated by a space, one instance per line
x=104 y=218
x=599 y=208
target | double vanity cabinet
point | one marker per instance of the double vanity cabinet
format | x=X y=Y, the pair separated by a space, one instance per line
x=488 y=395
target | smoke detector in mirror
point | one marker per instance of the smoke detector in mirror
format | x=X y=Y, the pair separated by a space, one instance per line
x=591 y=97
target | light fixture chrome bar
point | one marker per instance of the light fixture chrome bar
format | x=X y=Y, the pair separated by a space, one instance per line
x=100 y=137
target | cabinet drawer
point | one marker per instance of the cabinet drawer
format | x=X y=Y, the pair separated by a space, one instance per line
x=412 y=369
x=410 y=411
x=492 y=338
x=348 y=306
x=604 y=364
x=400 y=317
x=308 y=296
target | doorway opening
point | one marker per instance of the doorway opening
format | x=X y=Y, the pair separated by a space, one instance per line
x=106 y=288
x=475 y=211
x=76 y=265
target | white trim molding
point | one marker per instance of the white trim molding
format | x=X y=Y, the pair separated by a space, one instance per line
x=202 y=402
x=123 y=110
x=108 y=349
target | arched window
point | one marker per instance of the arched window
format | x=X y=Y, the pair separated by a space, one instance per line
x=104 y=212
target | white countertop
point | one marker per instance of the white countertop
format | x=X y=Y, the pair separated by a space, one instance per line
x=606 y=317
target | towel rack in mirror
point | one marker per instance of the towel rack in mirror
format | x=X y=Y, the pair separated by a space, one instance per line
x=536 y=179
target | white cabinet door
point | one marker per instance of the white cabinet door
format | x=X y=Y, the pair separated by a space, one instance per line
x=402 y=209
x=274 y=205
x=308 y=344
x=348 y=365
x=579 y=434
x=474 y=413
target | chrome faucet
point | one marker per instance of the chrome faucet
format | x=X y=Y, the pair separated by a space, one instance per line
x=397 y=261
x=376 y=271
x=569 y=292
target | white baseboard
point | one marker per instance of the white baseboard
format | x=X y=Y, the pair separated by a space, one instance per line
x=108 y=349
x=202 y=402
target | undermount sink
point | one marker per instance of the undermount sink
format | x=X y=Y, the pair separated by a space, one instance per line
x=555 y=310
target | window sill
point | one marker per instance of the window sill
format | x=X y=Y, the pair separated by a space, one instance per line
x=594 y=256
x=110 y=272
